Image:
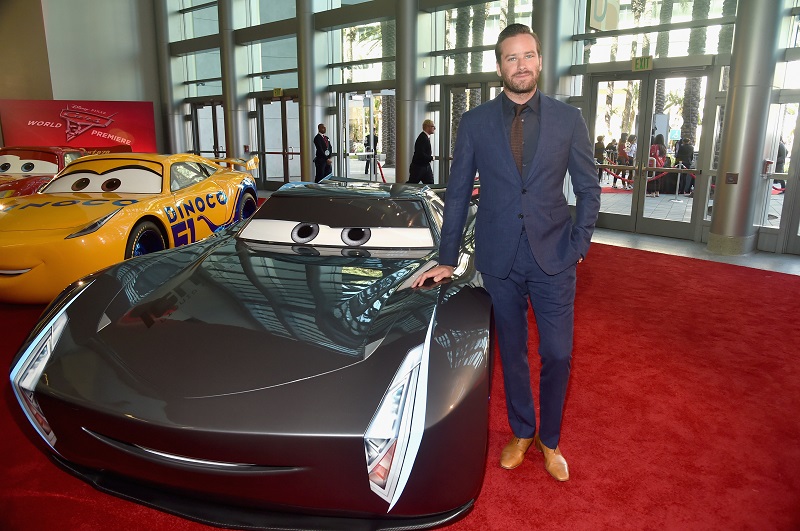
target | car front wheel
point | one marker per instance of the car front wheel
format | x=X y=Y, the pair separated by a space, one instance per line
x=247 y=206
x=144 y=239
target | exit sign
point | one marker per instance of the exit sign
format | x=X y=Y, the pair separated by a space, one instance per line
x=639 y=64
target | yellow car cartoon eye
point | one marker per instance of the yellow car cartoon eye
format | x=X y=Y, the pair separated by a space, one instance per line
x=111 y=184
x=80 y=184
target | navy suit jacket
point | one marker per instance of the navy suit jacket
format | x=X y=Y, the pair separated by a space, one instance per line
x=535 y=201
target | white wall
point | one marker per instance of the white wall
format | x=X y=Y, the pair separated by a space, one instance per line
x=103 y=50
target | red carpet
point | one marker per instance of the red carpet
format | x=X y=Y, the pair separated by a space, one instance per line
x=682 y=414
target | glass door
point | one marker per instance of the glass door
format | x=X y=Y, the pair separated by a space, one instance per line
x=279 y=151
x=458 y=100
x=364 y=115
x=785 y=189
x=648 y=192
x=208 y=129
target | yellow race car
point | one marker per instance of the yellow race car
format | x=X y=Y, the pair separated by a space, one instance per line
x=102 y=209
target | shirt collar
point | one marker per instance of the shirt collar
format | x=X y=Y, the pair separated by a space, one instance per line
x=534 y=103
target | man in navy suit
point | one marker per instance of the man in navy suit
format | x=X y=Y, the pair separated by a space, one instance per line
x=419 y=171
x=322 y=157
x=527 y=245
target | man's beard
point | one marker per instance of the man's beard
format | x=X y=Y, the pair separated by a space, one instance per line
x=521 y=87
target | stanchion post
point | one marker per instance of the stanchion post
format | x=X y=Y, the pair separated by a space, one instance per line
x=678 y=183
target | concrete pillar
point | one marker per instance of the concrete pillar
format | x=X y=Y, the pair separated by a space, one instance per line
x=234 y=88
x=311 y=78
x=546 y=23
x=738 y=179
x=406 y=88
x=172 y=115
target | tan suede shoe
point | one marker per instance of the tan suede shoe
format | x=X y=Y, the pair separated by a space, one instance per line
x=514 y=452
x=554 y=462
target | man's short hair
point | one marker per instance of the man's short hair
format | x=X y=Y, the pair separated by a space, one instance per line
x=427 y=123
x=512 y=30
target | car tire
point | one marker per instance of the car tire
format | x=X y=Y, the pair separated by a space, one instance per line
x=145 y=238
x=247 y=206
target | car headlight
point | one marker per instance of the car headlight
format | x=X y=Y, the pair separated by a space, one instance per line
x=27 y=372
x=394 y=435
x=93 y=226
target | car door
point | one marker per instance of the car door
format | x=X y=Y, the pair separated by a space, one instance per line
x=202 y=206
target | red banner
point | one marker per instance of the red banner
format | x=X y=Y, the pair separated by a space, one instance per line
x=86 y=124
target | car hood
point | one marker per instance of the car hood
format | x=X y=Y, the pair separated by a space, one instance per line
x=58 y=211
x=5 y=177
x=216 y=319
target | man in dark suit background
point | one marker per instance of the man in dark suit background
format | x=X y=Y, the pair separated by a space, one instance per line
x=419 y=171
x=370 y=145
x=527 y=246
x=322 y=157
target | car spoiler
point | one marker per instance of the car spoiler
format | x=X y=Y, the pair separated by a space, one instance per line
x=250 y=164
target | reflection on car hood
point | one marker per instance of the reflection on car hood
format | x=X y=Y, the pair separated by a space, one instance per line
x=196 y=324
x=58 y=211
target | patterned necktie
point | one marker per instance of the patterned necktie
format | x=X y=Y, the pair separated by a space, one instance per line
x=516 y=136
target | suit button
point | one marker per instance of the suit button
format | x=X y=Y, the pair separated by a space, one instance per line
x=524 y=191
x=520 y=216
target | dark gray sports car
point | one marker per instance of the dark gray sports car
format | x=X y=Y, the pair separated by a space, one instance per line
x=280 y=375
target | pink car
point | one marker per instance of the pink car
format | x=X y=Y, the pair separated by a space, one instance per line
x=24 y=170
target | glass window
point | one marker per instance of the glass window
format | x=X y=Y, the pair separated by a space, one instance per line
x=194 y=18
x=264 y=11
x=673 y=43
x=183 y=174
x=273 y=64
x=326 y=5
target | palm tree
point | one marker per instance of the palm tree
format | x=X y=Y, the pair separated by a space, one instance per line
x=632 y=93
x=389 y=122
x=476 y=58
x=691 y=92
x=725 y=45
x=509 y=12
x=662 y=50
x=610 y=93
x=460 y=67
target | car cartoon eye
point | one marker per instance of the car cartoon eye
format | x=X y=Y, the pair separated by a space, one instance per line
x=80 y=184
x=127 y=180
x=111 y=185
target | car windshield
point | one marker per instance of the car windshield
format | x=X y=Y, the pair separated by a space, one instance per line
x=21 y=162
x=376 y=222
x=124 y=180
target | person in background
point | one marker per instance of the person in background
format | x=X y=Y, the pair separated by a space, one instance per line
x=370 y=145
x=322 y=157
x=622 y=158
x=658 y=156
x=780 y=164
x=599 y=156
x=611 y=151
x=419 y=171
x=685 y=156
x=631 y=153
x=527 y=246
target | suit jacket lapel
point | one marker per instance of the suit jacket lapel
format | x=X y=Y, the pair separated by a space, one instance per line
x=544 y=118
x=498 y=129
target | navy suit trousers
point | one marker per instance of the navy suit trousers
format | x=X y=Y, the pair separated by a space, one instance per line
x=552 y=298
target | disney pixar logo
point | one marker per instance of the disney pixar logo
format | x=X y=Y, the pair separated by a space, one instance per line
x=79 y=120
